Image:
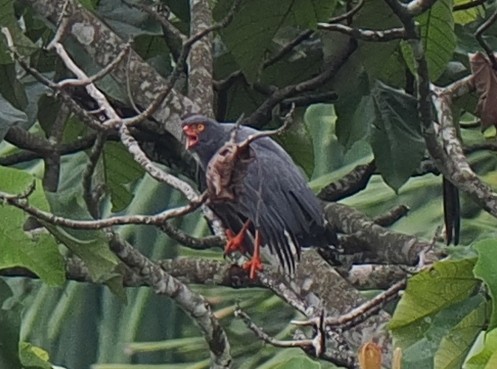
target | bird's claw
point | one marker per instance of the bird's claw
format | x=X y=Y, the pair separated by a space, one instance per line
x=253 y=266
x=235 y=242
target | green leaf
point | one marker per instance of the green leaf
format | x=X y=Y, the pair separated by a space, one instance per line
x=37 y=253
x=438 y=38
x=447 y=329
x=437 y=34
x=11 y=88
x=90 y=245
x=9 y=116
x=10 y=321
x=120 y=170
x=376 y=15
x=486 y=270
x=396 y=138
x=297 y=141
x=250 y=34
x=428 y=292
x=22 y=43
x=354 y=120
x=298 y=363
x=33 y=357
x=93 y=250
x=307 y=13
x=487 y=356
x=298 y=68
x=466 y=16
x=320 y=121
x=456 y=344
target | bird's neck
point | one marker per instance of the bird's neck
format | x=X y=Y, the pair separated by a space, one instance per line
x=207 y=151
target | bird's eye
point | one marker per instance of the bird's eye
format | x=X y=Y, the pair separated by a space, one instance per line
x=200 y=127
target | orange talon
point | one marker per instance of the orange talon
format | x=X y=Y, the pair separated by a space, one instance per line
x=254 y=265
x=235 y=242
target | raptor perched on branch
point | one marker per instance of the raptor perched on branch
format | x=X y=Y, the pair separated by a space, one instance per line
x=257 y=191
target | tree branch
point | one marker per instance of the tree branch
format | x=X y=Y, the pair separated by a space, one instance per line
x=192 y=303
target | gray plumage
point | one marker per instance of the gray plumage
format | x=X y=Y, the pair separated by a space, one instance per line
x=273 y=194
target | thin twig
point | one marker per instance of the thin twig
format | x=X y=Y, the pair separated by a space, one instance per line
x=20 y=201
x=172 y=35
x=391 y=216
x=287 y=48
x=479 y=37
x=362 y=312
x=189 y=241
x=259 y=332
x=93 y=91
x=468 y=5
x=350 y=184
x=369 y=308
x=134 y=149
x=286 y=122
x=175 y=74
x=73 y=82
x=314 y=347
x=347 y=15
x=261 y=115
x=90 y=194
x=61 y=28
x=365 y=34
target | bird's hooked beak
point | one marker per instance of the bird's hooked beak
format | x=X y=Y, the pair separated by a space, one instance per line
x=191 y=134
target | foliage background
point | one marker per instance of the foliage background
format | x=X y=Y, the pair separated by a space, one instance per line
x=83 y=325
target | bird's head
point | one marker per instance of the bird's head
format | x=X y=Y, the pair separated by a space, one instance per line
x=204 y=136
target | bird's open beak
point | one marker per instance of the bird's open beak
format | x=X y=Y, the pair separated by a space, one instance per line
x=191 y=136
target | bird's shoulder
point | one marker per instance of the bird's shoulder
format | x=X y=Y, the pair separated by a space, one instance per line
x=265 y=147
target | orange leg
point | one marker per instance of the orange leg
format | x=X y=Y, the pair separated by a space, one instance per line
x=235 y=242
x=254 y=265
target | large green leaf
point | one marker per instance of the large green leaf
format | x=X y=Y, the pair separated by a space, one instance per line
x=396 y=138
x=456 y=344
x=437 y=33
x=91 y=246
x=249 y=36
x=376 y=15
x=120 y=171
x=428 y=292
x=354 y=120
x=450 y=329
x=438 y=37
x=486 y=270
x=38 y=253
x=320 y=121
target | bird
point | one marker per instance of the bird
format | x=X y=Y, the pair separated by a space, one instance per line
x=266 y=203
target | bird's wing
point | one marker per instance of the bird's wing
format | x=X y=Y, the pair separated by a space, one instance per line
x=276 y=198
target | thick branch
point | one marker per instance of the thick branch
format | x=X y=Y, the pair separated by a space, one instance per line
x=200 y=60
x=103 y=45
x=380 y=244
x=191 y=302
